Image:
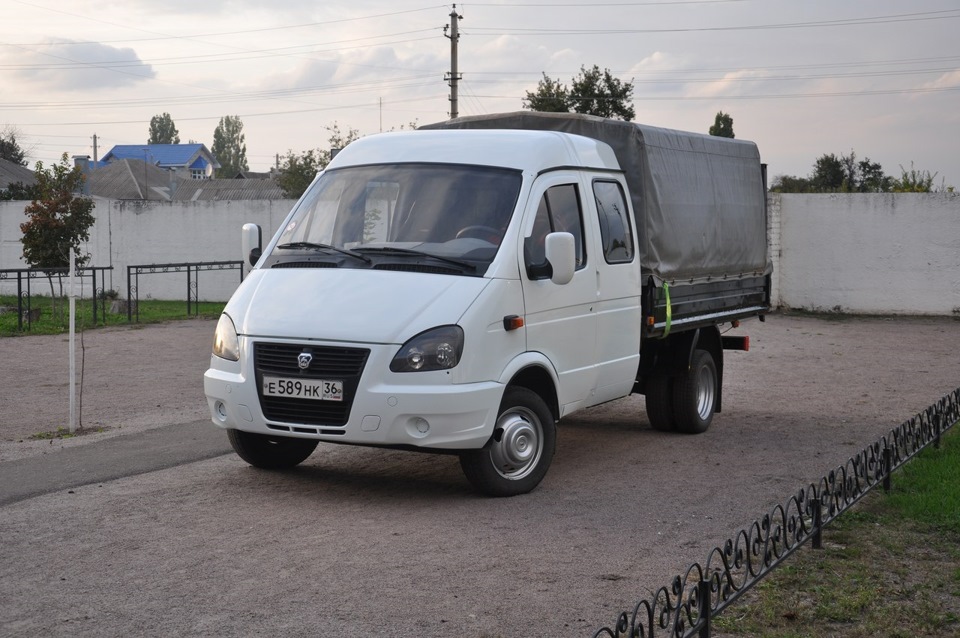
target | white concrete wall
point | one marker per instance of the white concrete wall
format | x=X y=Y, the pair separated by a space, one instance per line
x=135 y=233
x=871 y=253
x=875 y=254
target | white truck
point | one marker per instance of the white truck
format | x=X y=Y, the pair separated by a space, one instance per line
x=463 y=287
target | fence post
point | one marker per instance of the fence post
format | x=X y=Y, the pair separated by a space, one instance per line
x=817 y=522
x=129 y=298
x=20 y=301
x=937 y=429
x=887 y=470
x=703 y=588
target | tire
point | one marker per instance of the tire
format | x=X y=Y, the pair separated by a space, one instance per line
x=270 y=452
x=659 y=396
x=695 y=394
x=519 y=453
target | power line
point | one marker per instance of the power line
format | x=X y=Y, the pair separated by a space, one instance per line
x=887 y=19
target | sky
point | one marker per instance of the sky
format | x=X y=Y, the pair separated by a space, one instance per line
x=878 y=78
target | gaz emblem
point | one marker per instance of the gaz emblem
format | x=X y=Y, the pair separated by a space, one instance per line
x=304 y=360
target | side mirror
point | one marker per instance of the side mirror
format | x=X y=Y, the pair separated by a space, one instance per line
x=562 y=256
x=251 y=242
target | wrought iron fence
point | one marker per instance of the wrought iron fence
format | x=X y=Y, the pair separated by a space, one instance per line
x=25 y=276
x=192 y=269
x=687 y=607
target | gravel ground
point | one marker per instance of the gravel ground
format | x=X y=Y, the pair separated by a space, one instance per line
x=370 y=542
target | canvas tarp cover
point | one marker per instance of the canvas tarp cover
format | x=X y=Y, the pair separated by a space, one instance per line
x=699 y=200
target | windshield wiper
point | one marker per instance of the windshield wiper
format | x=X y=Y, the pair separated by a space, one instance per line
x=419 y=253
x=315 y=246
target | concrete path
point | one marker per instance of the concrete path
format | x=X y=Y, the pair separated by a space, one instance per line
x=113 y=458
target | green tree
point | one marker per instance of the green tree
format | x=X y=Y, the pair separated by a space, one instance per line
x=550 y=97
x=828 y=174
x=722 y=125
x=10 y=149
x=599 y=93
x=59 y=220
x=592 y=92
x=229 y=146
x=163 y=130
x=18 y=191
x=297 y=171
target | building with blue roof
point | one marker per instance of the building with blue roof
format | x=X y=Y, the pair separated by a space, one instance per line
x=193 y=161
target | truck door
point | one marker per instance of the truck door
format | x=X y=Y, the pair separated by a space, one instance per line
x=560 y=320
x=619 y=319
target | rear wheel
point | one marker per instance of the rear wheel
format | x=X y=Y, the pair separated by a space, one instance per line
x=270 y=452
x=518 y=455
x=659 y=395
x=695 y=394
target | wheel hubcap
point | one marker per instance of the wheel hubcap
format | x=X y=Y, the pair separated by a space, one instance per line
x=706 y=387
x=518 y=445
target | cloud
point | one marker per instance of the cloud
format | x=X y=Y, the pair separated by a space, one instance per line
x=80 y=66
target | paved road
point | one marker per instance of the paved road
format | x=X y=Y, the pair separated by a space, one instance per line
x=363 y=542
x=114 y=458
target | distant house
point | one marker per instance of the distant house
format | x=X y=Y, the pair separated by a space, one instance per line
x=12 y=173
x=193 y=161
x=131 y=179
x=134 y=179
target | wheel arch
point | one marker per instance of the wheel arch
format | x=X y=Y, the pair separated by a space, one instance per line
x=534 y=372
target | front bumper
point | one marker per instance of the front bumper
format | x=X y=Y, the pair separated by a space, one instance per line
x=419 y=409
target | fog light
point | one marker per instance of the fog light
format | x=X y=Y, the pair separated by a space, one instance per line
x=422 y=426
x=221 y=411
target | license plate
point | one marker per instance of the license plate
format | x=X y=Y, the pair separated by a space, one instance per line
x=316 y=389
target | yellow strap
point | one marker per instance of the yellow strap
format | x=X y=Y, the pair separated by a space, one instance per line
x=666 y=327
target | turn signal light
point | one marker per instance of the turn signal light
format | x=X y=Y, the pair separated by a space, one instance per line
x=512 y=322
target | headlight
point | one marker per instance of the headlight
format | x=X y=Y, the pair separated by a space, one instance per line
x=225 y=342
x=436 y=349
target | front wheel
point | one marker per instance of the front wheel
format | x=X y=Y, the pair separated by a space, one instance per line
x=695 y=394
x=270 y=452
x=518 y=455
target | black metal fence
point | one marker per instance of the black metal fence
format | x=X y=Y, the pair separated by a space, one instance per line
x=192 y=270
x=25 y=276
x=687 y=607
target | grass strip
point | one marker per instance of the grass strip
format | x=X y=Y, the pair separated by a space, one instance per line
x=889 y=567
x=55 y=318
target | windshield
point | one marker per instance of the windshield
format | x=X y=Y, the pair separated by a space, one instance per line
x=400 y=212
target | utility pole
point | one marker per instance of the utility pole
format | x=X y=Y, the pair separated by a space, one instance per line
x=454 y=76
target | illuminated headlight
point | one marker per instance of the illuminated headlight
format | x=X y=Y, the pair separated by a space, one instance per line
x=225 y=342
x=436 y=349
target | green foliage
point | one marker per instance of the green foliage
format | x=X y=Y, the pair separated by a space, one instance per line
x=550 y=97
x=722 y=125
x=10 y=148
x=229 y=146
x=592 y=92
x=59 y=220
x=828 y=175
x=297 y=171
x=163 y=130
x=917 y=181
x=844 y=174
x=18 y=191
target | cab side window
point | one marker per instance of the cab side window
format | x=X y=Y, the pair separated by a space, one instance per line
x=614 y=222
x=559 y=211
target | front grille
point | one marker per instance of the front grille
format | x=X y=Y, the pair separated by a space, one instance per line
x=329 y=363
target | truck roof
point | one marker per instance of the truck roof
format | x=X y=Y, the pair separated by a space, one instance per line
x=519 y=149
